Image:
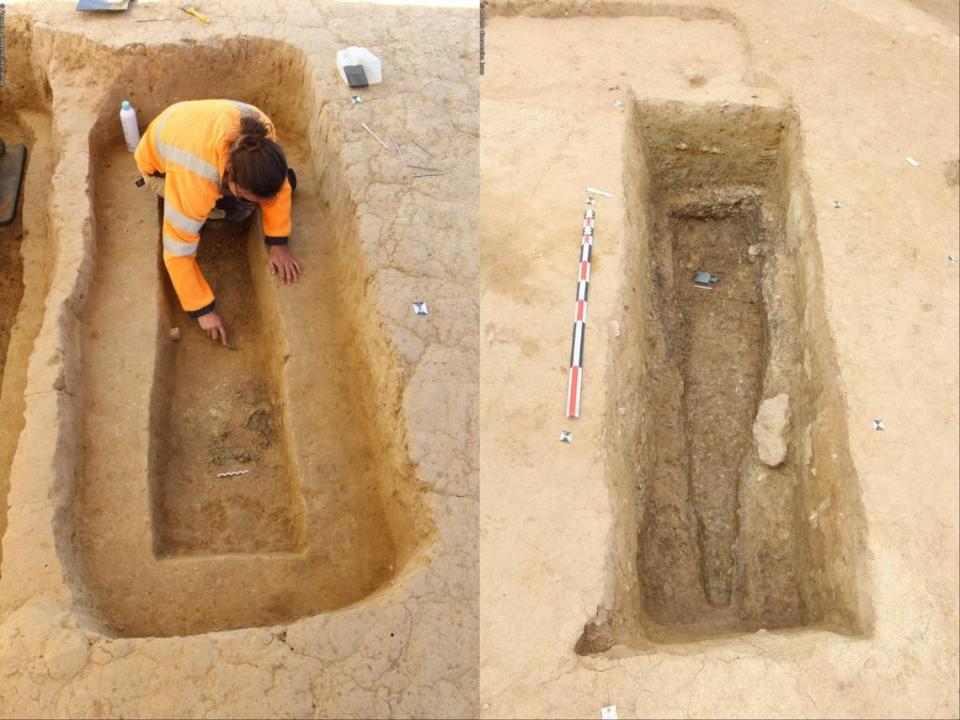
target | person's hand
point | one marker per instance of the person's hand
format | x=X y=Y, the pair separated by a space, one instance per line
x=212 y=325
x=282 y=263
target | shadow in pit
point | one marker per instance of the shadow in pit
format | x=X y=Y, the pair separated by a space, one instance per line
x=25 y=246
x=308 y=401
x=738 y=503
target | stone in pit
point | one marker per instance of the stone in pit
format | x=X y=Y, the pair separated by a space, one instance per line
x=770 y=429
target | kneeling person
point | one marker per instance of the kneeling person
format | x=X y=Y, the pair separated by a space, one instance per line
x=216 y=159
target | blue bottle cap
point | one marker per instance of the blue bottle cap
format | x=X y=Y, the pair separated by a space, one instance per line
x=125 y=105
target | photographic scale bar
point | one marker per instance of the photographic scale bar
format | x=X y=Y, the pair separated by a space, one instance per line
x=575 y=381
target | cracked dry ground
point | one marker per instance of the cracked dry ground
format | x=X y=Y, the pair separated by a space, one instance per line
x=338 y=577
x=726 y=535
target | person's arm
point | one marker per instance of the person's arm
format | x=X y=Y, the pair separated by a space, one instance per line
x=146 y=155
x=185 y=208
x=277 y=222
x=277 y=226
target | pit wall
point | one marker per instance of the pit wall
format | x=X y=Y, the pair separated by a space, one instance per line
x=59 y=455
x=946 y=11
x=828 y=516
x=831 y=507
x=25 y=101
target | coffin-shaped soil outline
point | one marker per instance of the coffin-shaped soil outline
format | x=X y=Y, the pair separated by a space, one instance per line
x=738 y=503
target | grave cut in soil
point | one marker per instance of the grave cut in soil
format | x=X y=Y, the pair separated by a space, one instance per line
x=739 y=505
x=325 y=516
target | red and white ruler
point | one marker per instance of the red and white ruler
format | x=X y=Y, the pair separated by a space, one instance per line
x=575 y=383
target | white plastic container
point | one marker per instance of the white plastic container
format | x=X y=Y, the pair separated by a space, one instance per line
x=360 y=56
x=128 y=120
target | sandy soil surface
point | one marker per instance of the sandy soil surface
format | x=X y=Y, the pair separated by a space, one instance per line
x=356 y=592
x=870 y=84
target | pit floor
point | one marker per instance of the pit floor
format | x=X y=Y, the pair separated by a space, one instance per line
x=873 y=83
x=215 y=395
x=718 y=336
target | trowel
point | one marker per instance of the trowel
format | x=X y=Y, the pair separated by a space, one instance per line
x=13 y=158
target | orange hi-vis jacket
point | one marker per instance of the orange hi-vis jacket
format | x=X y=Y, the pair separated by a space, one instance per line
x=189 y=143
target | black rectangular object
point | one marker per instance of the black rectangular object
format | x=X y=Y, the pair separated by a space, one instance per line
x=12 y=163
x=103 y=5
x=356 y=77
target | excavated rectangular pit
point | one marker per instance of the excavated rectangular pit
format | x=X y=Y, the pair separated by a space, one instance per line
x=739 y=507
x=161 y=545
x=25 y=248
x=219 y=411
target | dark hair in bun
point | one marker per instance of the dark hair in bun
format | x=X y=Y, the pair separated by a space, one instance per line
x=258 y=162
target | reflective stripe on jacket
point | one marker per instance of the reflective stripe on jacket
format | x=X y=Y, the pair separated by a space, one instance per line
x=189 y=143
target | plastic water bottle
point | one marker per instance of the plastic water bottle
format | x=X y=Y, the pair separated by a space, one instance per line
x=360 y=56
x=128 y=120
